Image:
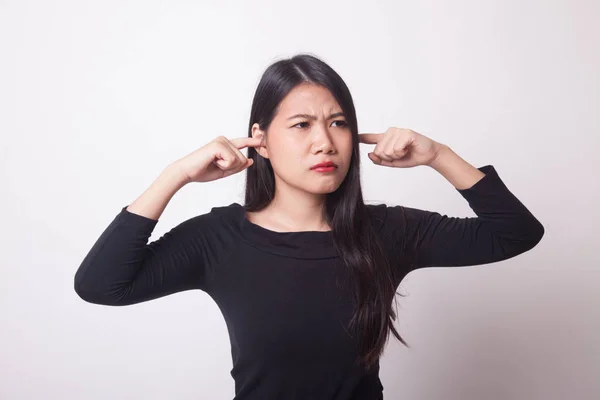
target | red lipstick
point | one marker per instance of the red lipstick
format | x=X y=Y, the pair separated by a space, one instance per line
x=326 y=166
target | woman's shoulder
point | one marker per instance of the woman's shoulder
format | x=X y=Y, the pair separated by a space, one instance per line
x=392 y=216
x=209 y=223
x=228 y=215
x=378 y=212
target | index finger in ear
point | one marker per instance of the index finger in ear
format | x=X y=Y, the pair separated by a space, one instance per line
x=240 y=143
x=369 y=138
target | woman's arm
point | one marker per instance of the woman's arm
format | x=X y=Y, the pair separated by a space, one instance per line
x=121 y=268
x=457 y=171
x=503 y=228
x=154 y=200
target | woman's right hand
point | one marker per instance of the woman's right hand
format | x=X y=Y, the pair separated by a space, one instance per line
x=217 y=159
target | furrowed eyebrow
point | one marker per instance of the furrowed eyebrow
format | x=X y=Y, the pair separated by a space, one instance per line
x=308 y=116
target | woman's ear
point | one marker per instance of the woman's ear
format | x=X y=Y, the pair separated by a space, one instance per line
x=259 y=133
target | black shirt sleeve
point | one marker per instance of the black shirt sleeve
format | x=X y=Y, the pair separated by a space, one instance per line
x=122 y=268
x=503 y=228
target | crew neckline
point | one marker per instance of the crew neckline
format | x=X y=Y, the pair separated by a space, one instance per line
x=262 y=228
x=300 y=244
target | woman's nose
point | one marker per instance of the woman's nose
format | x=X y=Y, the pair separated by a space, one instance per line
x=324 y=145
x=323 y=142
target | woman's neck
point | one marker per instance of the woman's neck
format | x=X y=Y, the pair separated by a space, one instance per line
x=292 y=213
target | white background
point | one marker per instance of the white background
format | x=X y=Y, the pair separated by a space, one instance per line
x=97 y=97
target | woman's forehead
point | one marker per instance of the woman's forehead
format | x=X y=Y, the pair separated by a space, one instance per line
x=308 y=99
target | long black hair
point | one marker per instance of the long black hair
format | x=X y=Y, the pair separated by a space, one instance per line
x=353 y=231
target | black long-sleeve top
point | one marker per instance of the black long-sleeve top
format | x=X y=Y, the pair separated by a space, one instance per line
x=280 y=292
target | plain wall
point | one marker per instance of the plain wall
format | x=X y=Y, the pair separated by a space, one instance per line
x=96 y=98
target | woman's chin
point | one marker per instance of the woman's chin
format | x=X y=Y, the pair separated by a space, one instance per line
x=325 y=188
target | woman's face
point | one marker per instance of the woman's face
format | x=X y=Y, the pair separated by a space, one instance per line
x=308 y=128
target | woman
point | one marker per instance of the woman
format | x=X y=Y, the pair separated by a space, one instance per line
x=304 y=272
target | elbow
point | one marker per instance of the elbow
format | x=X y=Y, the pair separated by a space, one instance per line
x=540 y=232
x=88 y=295
x=93 y=295
x=520 y=241
x=83 y=290
x=534 y=235
x=537 y=233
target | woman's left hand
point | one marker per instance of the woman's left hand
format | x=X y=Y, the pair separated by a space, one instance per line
x=401 y=148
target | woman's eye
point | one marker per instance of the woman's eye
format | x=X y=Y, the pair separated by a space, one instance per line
x=305 y=124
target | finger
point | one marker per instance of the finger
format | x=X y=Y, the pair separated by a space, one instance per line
x=225 y=164
x=242 y=159
x=379 y=161
x=382 y=150
x=374 y=158
x=388 y=163
x=398 y=147
x=226 y=158
x=229 y=172
x=383 y=156
x=369 y=138
x=240 y=143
